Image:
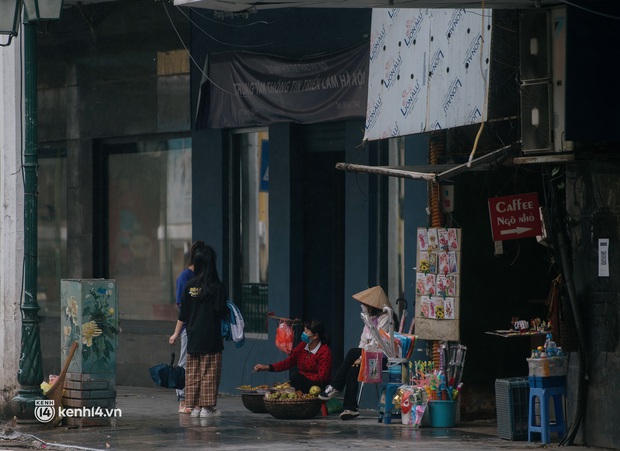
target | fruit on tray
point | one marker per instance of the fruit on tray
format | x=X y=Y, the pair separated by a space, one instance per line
x=315 y=390
x=252 y=388
x=288 y=397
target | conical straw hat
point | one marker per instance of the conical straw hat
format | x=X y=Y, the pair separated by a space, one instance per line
x=373 y=297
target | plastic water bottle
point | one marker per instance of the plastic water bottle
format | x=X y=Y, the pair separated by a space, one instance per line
x=395 y=374
x=548 y=339
x=550 y=346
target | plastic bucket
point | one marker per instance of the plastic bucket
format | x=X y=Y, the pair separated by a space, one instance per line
x=442 y=413
x=405 y=418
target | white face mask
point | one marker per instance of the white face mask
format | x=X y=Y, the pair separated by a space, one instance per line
x=364 y=309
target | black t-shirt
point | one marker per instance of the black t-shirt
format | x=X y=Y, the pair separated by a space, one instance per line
x=204 y=333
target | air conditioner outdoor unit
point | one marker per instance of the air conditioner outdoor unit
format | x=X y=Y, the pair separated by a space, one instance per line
x=534 y=48
x=542 y=50
x=536 y=126
x=558 y=72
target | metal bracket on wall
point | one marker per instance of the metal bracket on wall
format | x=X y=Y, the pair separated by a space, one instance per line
x=434 y=173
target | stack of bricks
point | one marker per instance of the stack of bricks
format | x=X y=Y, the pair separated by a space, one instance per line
x=92 y=401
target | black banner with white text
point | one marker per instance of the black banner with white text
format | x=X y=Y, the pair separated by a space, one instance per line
x=249 y=89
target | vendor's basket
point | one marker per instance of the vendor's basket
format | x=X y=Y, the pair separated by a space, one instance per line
x=293 y=410
x=254 y=402
x=547 y=366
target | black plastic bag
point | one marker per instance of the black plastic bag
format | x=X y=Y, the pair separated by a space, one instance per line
x=168 y=376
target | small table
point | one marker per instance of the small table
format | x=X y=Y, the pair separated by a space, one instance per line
x=516 y=333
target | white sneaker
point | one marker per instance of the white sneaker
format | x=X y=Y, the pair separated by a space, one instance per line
x=210 y=413
x=195 y=412
x=349 y=414
x=328 y=393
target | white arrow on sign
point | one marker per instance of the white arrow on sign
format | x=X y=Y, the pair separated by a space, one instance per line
x=518 y=230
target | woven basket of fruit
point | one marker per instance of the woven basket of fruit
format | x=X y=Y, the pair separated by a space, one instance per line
x=254 y=402
x=293 y=409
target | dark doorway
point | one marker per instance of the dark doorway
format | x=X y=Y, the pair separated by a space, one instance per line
x=324 y=245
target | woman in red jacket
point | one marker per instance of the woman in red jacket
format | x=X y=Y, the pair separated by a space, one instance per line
x=312 y=358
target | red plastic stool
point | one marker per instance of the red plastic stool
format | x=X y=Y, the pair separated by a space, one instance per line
x=324 y=411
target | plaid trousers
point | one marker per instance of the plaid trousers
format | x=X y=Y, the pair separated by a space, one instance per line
x=202 y=379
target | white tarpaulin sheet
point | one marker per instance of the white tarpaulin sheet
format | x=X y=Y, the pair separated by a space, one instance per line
x=429 y=70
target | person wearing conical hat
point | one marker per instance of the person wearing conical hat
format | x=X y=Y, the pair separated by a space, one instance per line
x=373 y=297
x=373 y=300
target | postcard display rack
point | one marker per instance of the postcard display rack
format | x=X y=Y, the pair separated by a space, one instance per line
x=437 y=306
x=89 y=315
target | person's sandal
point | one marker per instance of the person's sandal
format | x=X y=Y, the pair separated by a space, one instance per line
x=183 y=409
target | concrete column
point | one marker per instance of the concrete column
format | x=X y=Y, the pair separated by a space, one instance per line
x=11 y=219
x=285 y=222
x=80 y=208
x=357 y=234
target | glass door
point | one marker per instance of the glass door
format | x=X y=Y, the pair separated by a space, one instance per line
x=250 y=202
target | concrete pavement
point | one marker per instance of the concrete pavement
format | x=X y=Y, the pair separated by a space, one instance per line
x=149 y=421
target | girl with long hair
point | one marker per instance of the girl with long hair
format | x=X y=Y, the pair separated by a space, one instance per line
x=202 y=308
x=183 y=278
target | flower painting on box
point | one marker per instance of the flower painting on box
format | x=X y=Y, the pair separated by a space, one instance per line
x=94 y=325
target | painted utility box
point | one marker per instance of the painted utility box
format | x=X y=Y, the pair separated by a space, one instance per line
x=89 y=315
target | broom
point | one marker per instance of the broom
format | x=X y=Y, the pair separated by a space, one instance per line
x=55 y=391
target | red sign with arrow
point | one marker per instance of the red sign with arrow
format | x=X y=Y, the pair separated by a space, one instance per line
x=514 y=216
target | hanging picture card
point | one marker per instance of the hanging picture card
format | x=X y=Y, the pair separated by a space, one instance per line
x=437 y=310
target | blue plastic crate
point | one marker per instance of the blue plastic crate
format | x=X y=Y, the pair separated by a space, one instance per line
x=512 y=403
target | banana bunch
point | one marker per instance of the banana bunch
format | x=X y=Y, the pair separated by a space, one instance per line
x=282 y=386
x=253 y=388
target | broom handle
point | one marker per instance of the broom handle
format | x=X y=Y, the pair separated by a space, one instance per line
x=65 y=368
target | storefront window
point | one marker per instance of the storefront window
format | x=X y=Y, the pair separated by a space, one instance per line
x=149 y=224
x=253 y=157
x=51 y=229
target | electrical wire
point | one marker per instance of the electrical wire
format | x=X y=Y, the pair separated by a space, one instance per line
x=558 y=232
x=204 y=16
x=575 y=5
x=582 y=376
x=486 y=93
x=205 y=76
x=215 y=39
